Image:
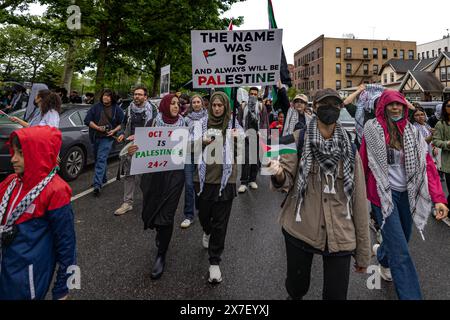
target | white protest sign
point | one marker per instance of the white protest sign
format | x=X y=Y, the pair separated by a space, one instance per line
x=165 y=81
x=160 y=149
x=236 y=58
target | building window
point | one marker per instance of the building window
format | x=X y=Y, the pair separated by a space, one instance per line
x=348 y=68
x=338 y=52
x=446 y=49
x=439 y=51
x=375 y=53
x=385 y=78
x=428 y=54
x=395 y=53
x=318 y=53
x=432 y=53
x=366 y=69
x=392 y=77
x=338 y=68
x=418 y=56
x=318 y=69
x=312 y=56
x=338 y=84
x=423 y=55
x=411 y=54
x=312 y=85
x=402 y=54
x=348 y=53
x=349 y=84
x=443 y=75
x=318 y=85
x=365 y=53
x=375 y=69
x=312 y=70
x=385 y=53
x=448 y=73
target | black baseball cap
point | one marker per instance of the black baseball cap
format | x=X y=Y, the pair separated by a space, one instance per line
x=327 y=93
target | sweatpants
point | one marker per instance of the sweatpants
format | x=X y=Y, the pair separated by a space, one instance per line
x=336 y=273
x=214 y=218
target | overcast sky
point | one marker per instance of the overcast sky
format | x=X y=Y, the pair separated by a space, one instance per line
x=304 y=20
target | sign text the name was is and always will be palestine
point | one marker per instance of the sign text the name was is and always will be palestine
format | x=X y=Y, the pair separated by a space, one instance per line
x=235 y=58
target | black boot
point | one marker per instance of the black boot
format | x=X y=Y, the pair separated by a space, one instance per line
x=158 y=266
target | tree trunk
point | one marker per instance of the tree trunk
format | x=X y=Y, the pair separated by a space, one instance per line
x=69 y=66
x=157 y=73
x=101 y=64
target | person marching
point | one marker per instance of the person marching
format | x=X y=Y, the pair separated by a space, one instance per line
x=402 y=184
x=140 y=113
x=325 y=210
x=37 y=230
x=216 y=179
x=194 y=115
x=161 y=191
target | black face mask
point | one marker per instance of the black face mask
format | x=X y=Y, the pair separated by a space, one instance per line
x=328 y=114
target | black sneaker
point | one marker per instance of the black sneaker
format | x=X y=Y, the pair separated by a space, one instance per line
x=96 y=192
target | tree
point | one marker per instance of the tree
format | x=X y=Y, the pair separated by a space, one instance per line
x=26 y=51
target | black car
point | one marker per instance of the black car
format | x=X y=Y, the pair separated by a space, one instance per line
x=76 y=150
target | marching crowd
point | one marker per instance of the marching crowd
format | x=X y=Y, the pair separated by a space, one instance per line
x=328 y=183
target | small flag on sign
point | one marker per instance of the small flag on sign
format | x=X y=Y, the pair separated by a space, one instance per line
x=209 y=53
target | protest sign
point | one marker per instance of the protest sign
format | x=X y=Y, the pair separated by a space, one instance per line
x=235 y=58
x=160 y=149
x=165 y=81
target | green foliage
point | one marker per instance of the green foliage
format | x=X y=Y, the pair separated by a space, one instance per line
x=124 y=41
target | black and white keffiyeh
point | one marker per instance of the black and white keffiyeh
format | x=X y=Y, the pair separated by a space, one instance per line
x=415 y=150
x=327 y=153
x=227 y=166
x=159 y=122
x=21 y=207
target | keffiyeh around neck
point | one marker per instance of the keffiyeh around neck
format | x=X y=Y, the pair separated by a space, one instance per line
x=147 y=108
x=327 y=153
x=415 y=166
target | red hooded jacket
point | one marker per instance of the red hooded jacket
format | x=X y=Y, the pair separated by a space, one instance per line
x=434 y=182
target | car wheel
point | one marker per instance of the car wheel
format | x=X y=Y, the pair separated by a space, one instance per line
x=72 y=164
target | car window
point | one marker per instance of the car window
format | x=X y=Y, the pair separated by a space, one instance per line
x=83 y=113
x=75 y=119
x=345 y=116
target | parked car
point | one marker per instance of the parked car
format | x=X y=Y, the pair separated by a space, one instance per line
x=76 y=150
x=348 y=122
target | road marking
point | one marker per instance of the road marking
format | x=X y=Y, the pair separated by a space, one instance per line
x=85 y=193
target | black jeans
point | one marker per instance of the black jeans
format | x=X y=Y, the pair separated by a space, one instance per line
x=249 y=171
x=214 y=216
x=336 y=272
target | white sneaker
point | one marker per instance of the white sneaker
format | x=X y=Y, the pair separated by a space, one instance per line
x=205 y=240
x=186 y=223
x=215 y=276
x=385 y=273
x=253 y=185
x=242 y=188
x=124 y=208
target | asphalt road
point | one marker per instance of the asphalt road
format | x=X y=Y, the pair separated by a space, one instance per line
x=116 y=255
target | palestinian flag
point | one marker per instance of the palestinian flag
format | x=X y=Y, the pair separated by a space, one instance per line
x=209 y=53
x=284 y=70
x=276 y=150
x=229 y=91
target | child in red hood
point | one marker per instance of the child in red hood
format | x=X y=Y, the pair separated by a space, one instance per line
x=36 y=219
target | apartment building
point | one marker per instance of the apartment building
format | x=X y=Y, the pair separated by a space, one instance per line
x=340 y=63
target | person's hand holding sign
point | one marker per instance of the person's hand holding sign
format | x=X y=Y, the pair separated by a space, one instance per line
x=132 y=150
